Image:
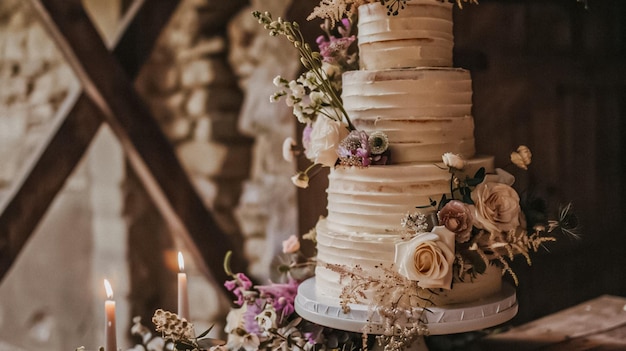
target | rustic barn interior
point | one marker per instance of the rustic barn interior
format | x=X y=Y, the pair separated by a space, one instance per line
x=131 y=130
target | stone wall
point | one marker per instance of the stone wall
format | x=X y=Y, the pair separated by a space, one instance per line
x=53 y=294
x=34 y=81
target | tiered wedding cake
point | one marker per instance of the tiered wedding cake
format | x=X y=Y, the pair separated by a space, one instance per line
x=406 y=88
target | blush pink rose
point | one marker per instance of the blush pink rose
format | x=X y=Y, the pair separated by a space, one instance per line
x=496 y=207
x=457 y=218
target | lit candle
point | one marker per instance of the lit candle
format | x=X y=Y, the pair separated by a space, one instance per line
x=109 y=327
x=183 y=302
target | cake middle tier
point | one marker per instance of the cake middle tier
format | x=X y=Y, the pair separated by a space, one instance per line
x=375 y=199
x=425 y=112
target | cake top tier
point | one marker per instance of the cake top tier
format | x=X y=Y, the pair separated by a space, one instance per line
x=420 y=35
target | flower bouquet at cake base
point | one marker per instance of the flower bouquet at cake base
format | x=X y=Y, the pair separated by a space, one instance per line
x=263 y=317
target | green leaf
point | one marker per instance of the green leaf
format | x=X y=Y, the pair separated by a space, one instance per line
x=477 y=262
x=205 y=332
x=480 y=174
x=227 y=258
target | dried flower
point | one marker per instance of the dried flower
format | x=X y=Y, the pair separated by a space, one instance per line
x=522 y=157
x=378 y=142
x=354 y=149
x=416 y=222
x=312 y=61
x=172 y=326
x=301 y=180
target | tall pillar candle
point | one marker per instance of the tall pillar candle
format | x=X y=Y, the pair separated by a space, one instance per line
x=183 y=299
x=110 y=337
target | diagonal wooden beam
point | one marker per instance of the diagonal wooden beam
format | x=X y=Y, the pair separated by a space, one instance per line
x=146 y=147
x=78 y=120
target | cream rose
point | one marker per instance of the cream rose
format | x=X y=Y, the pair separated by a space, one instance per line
x=453 y=160
x=427 y=258
x=324 y=140
x=496 y=207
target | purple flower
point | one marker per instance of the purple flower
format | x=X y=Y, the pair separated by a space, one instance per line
x=354 y=150
x=281 y=296
x=244 y=281
x=306 y=136
x=335 y=49
x=238 y=286
x=249 y=318
x=230 y=284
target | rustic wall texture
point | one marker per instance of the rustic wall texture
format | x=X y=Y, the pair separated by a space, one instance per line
x=550 y=75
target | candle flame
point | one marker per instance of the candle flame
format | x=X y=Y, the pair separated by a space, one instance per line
x=109 y=290
x=181 y=262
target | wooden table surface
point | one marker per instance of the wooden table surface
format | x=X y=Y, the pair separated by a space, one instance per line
x=598 y=324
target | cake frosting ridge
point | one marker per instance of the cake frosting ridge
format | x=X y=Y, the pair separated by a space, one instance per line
x=420 y=35
x=425 y=112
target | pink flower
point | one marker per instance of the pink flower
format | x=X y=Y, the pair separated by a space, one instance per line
x=457 y=218
x=281 y=296
x=291 y=245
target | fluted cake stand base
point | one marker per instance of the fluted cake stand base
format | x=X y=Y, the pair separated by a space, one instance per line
x=460 y=318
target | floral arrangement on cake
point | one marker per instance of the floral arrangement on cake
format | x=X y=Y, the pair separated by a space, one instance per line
x=489 y=220
x=329 y=137
x=483 y=222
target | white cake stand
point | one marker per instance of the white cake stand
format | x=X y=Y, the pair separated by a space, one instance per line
x=460 y=318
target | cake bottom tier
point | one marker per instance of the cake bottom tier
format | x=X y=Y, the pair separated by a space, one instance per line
x=359 y=268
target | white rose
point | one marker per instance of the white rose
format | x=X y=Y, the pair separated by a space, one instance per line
x=453 y=160
x=288 y=145
x=427 y=258
x=325 y=138
x=234 y=319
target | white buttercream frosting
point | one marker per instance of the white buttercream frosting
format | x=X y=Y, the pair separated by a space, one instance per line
x=374 y=199
x=420 y=35
x=425 y=112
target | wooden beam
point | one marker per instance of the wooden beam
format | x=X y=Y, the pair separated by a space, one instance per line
x=78 y=120
x=146 y=147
